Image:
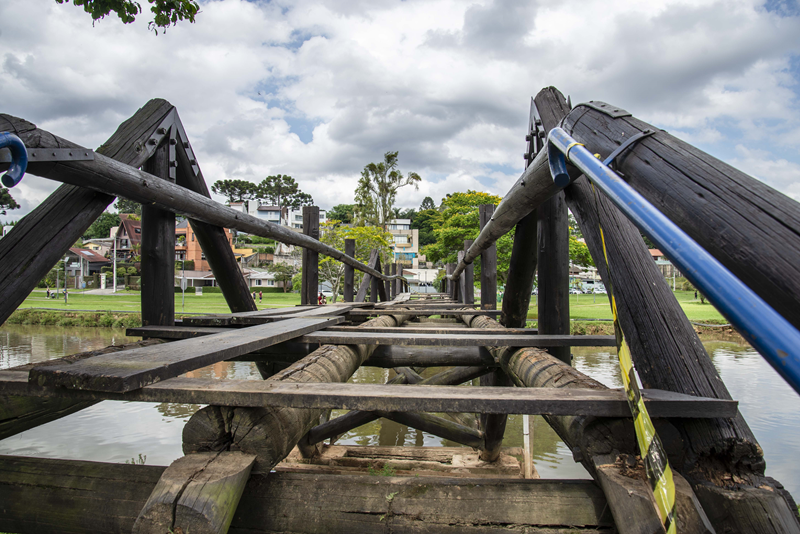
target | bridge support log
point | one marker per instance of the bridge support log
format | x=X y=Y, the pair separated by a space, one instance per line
x=594 y=440
x=521 y=273
x=271 y=433
x=196 y=494
x=721 y=457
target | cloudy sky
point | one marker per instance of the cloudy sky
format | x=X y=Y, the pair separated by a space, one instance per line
x=317 y=89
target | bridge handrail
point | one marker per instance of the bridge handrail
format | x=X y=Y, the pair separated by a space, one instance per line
x=764 y=328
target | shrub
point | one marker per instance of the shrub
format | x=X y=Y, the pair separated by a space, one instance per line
x=211 y=289
x=106 y=320
x=68 y=321
x=48 y=319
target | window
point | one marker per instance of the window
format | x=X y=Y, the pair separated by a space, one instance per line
x=270 y=282
x=192 y=237
x=258 y=282
x=400 y=239
x=137 y=230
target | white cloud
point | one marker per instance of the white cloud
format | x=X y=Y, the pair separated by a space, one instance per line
x=446 y=83
x=780 y=173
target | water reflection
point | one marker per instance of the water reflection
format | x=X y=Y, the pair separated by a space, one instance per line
x=118 y=431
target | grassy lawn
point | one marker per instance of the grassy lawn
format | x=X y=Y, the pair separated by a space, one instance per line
x=581 y=306
x=598 y=307
x=130 y=301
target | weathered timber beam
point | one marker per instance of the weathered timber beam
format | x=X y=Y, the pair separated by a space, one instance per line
x=41 y=495
x=113 y=178
x=488 y=262
x=271 y=432
x=751 y=228
x=310 y=275
x=592 y=439
x=521 y=273
x=370 y=397
x=158 y=250
x=554 y=272
x=437 y=426
x=349 y=273
x=198 y=493
x=356 y=418
x=361 y=296
x=668 y=355
x=42 y=237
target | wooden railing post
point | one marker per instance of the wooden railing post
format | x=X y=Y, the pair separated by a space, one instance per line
x=469 y=278
x=521 y=273
x=158 y=249
x=394 y=283
x=349 y=272
x=375 y=283
x=460 y=283
x=310 y=280
x=387 y=270
x=448 y=268
x=488 y=264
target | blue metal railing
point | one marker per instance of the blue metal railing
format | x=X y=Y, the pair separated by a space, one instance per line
x=19 y=158
x=766 y=330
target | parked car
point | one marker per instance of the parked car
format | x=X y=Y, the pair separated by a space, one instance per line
x=575 y=291
x=535 y=291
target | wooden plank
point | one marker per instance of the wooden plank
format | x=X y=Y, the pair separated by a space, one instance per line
x=158 y=250
x=371 y=397
x=42 y=495
x=129 y=370
x=488 y=263
x=349 y=272
x=226 y=319
x=434 y=329
x=457 y=340
x=198 y=494
x=414 y=312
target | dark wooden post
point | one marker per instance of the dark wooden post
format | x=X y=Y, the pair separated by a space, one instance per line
x=554 y=272
x=387 y=270
x=521 y=273
x=488 y=264
x=158 y=251
x=469 y=278
x=375 y=283
x=461 y=283
x=349 y=272
x=393 y=283
x=310 y=280
x=668 y=355
x=448 y=269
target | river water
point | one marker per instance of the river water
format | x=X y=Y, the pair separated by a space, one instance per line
x=112 y=431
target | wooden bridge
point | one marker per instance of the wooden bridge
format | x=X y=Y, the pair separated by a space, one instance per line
x=234 y=475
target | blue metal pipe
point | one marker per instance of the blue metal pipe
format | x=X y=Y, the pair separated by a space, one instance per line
x=19 y=158
x=767 y=331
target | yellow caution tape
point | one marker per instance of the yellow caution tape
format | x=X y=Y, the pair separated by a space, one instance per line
x=656 y=464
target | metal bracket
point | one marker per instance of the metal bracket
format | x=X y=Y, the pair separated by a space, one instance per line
x=626 y=145
x=536 y=135
x=607 y=109
x=51 y=154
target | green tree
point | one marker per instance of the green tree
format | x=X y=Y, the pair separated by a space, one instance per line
x=342 y=213
x=425 y=222
x=123 y=205
x=366 y=237
x=282 y=191
x=579 y=253
x=283 y=273
x=7 y=202
x=427 y=204
x=166 y=13
x=102 y=226
x=235 y=190
x=459 y=220
x=377 y=189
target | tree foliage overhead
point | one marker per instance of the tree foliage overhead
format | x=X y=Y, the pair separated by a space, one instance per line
x=366 y=237
x=7 y=202
x=427 y=204
x=166 y=13
x=377 y=189
x=235 y=190
x=426 y=221
x=459 y=220
x=282 y=191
